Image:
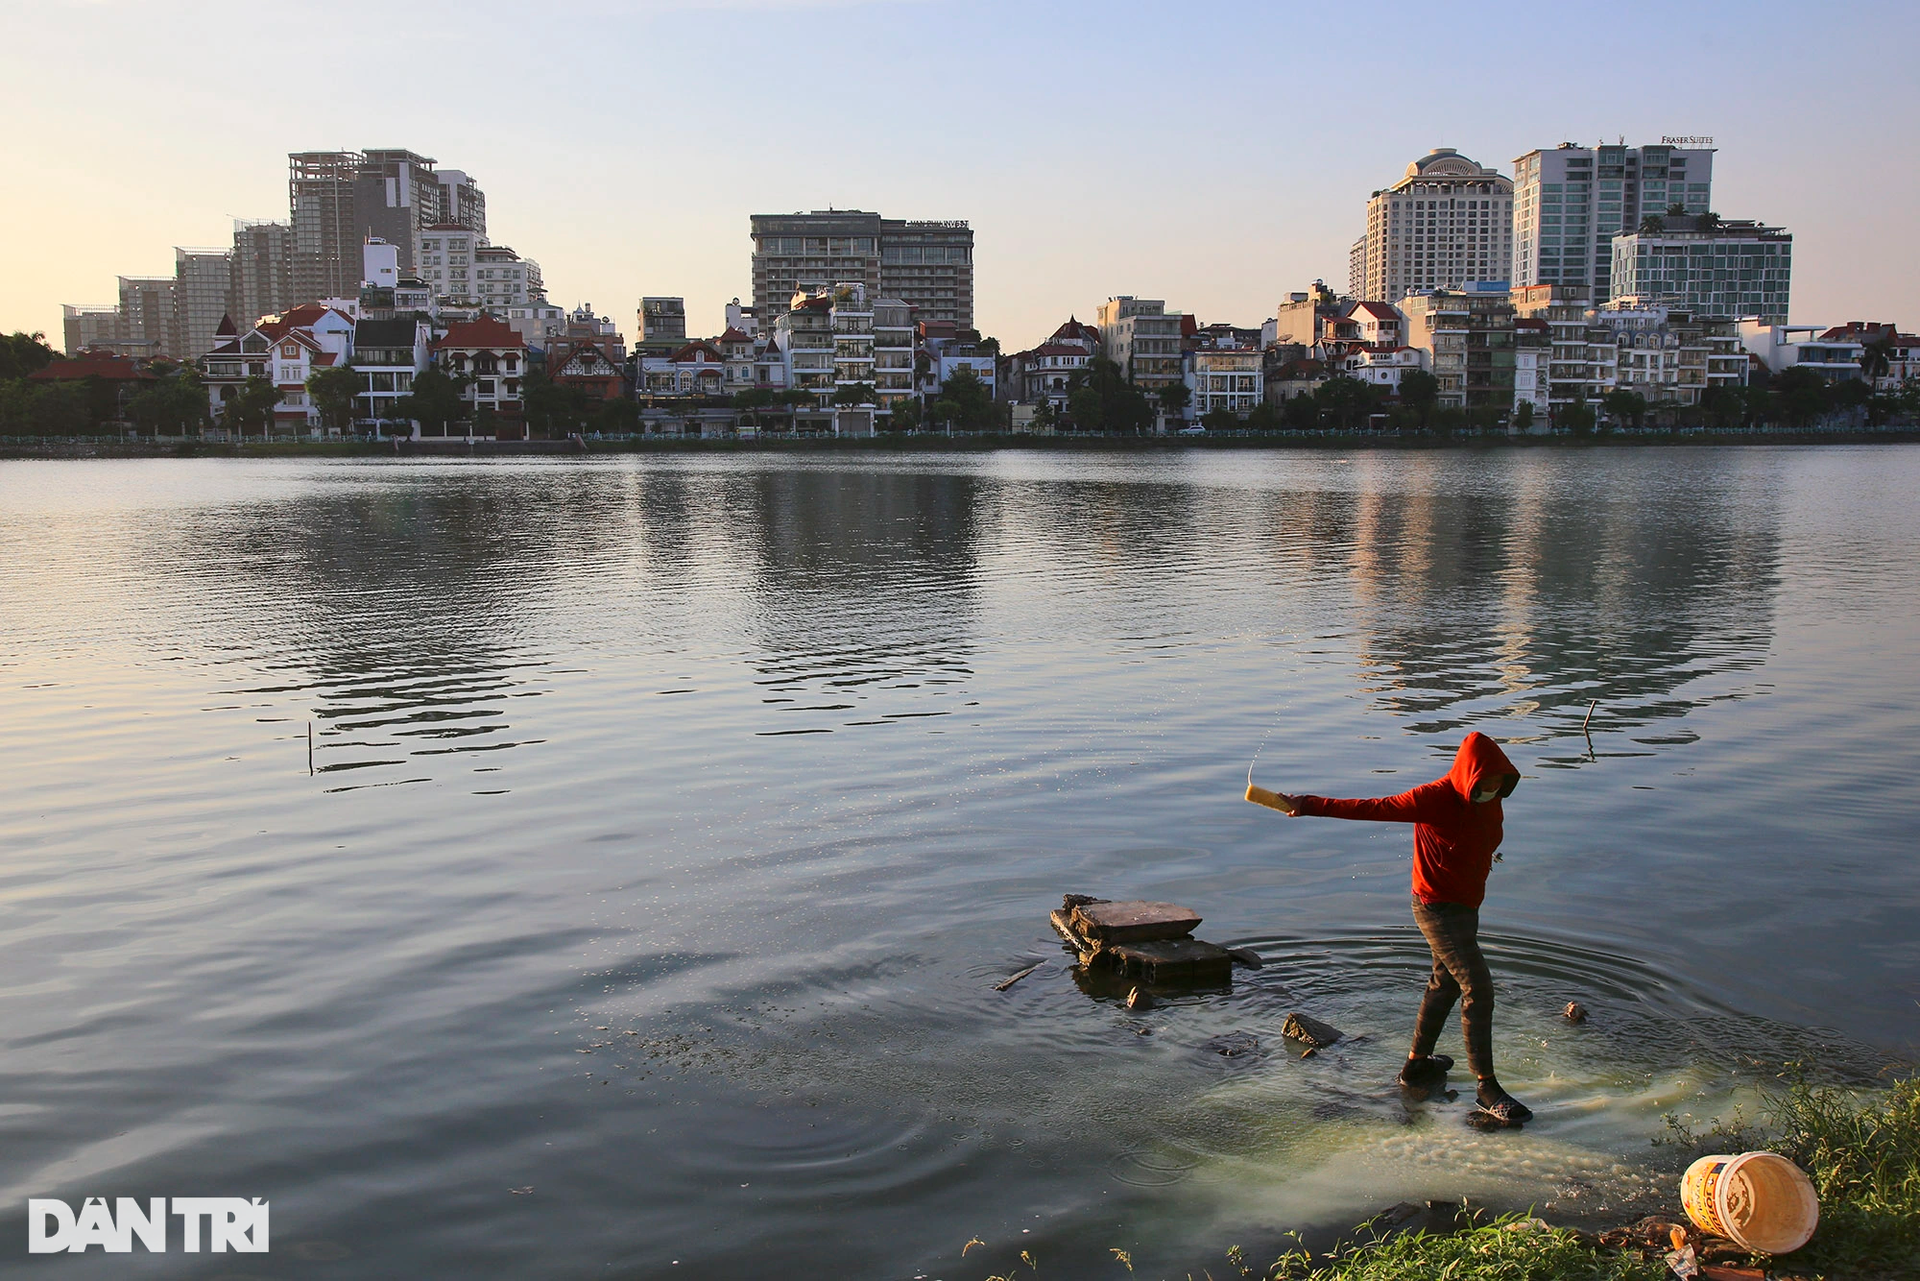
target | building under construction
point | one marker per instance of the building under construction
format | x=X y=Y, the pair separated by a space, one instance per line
x=339 y=198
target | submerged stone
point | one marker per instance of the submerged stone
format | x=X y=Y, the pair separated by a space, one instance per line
x=1232 y=1045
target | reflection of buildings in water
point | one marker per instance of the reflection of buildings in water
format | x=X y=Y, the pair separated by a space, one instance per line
x=864 y=590
x=1547 y=591
x=395 y=614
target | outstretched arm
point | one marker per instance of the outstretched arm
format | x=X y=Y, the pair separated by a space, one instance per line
x=1429 y=803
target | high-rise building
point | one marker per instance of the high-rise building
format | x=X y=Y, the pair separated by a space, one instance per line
x=202 y=288
x=339 y=198
x=461 y=201
x=1570 y=202
x=326 y=240
x=261 y=279
x=84 y=326
x=926 y=264
x=1703 y=265
x=395 y=193
x=146 y=326
x=1446 y=223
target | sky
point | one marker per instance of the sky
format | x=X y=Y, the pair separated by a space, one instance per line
x=1217 y=156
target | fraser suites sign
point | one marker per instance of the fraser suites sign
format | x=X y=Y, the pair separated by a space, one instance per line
x=229 y=1223
x=1687 y=140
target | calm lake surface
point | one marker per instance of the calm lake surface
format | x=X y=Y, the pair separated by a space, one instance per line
x=671 y=821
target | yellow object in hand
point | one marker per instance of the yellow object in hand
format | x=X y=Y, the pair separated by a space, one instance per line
x=1261 y=796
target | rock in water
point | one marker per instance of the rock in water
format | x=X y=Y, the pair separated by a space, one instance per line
x=1134 y=921
x=1139 y=999
x=1232 y=1045
x=1575 y=1012
x=1245 y=956
x=1304 y=1027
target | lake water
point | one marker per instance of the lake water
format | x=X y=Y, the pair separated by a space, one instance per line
x=671 y=820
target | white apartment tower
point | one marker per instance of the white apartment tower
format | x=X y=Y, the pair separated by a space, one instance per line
x=1570 y=202
x=1446 y=223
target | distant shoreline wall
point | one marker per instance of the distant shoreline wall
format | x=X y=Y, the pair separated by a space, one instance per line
x=107 y=448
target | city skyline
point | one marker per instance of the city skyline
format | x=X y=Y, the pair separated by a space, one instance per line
x=1093 y=151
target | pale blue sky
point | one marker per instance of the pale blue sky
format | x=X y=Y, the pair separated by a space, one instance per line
x=1217 y=156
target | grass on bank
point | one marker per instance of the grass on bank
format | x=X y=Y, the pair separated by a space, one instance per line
x=1863 y=1155
x=1861 y=1149
x=1862 y=1152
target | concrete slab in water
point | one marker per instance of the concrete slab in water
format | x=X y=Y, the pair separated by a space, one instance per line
x=1134 y=921
x=1181 y=960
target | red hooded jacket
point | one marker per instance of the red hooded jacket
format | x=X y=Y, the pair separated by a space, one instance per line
x=1453 y=839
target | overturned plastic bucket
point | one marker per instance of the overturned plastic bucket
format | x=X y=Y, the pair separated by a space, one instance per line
x=1757 y=1200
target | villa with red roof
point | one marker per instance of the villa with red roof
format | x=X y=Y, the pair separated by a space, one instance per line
x=493 y=357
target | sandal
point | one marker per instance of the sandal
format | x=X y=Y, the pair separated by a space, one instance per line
x=1506 y=1109
x=1427 y=1071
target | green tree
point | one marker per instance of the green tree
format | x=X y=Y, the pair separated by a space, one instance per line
x=851 y=394
x=1419 y=391
x=1302 y=413
x=16 y=405
x=1220 y=420
x=336 y=393
x=1264 y=416
x=1676 y=210
x=1523 y=416
x=553 y=409
x=22 y=354
x=172 y=406
x=1725 y=407
x=1625 y=406
x=252 y=406
x=990 y=346
x=435 y=401
x=1876 y=360
x=1111 y=403
x=616 y=417
x=973 y=404
x=1578 y=418
x=1652 y=225
x=1708 y=221
x=1800 y=394
x=1174 y=399
x=943 y=412
x=59 y=409
x=1348 y=401
x=906 y=415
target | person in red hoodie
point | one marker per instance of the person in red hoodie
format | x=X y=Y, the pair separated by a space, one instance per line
x=1456 y=828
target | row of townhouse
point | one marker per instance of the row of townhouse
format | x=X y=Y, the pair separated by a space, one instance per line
x=1488 y=348
x=857 y=357
x=387 y=355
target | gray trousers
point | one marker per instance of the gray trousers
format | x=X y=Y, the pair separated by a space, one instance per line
x=1460 y=973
